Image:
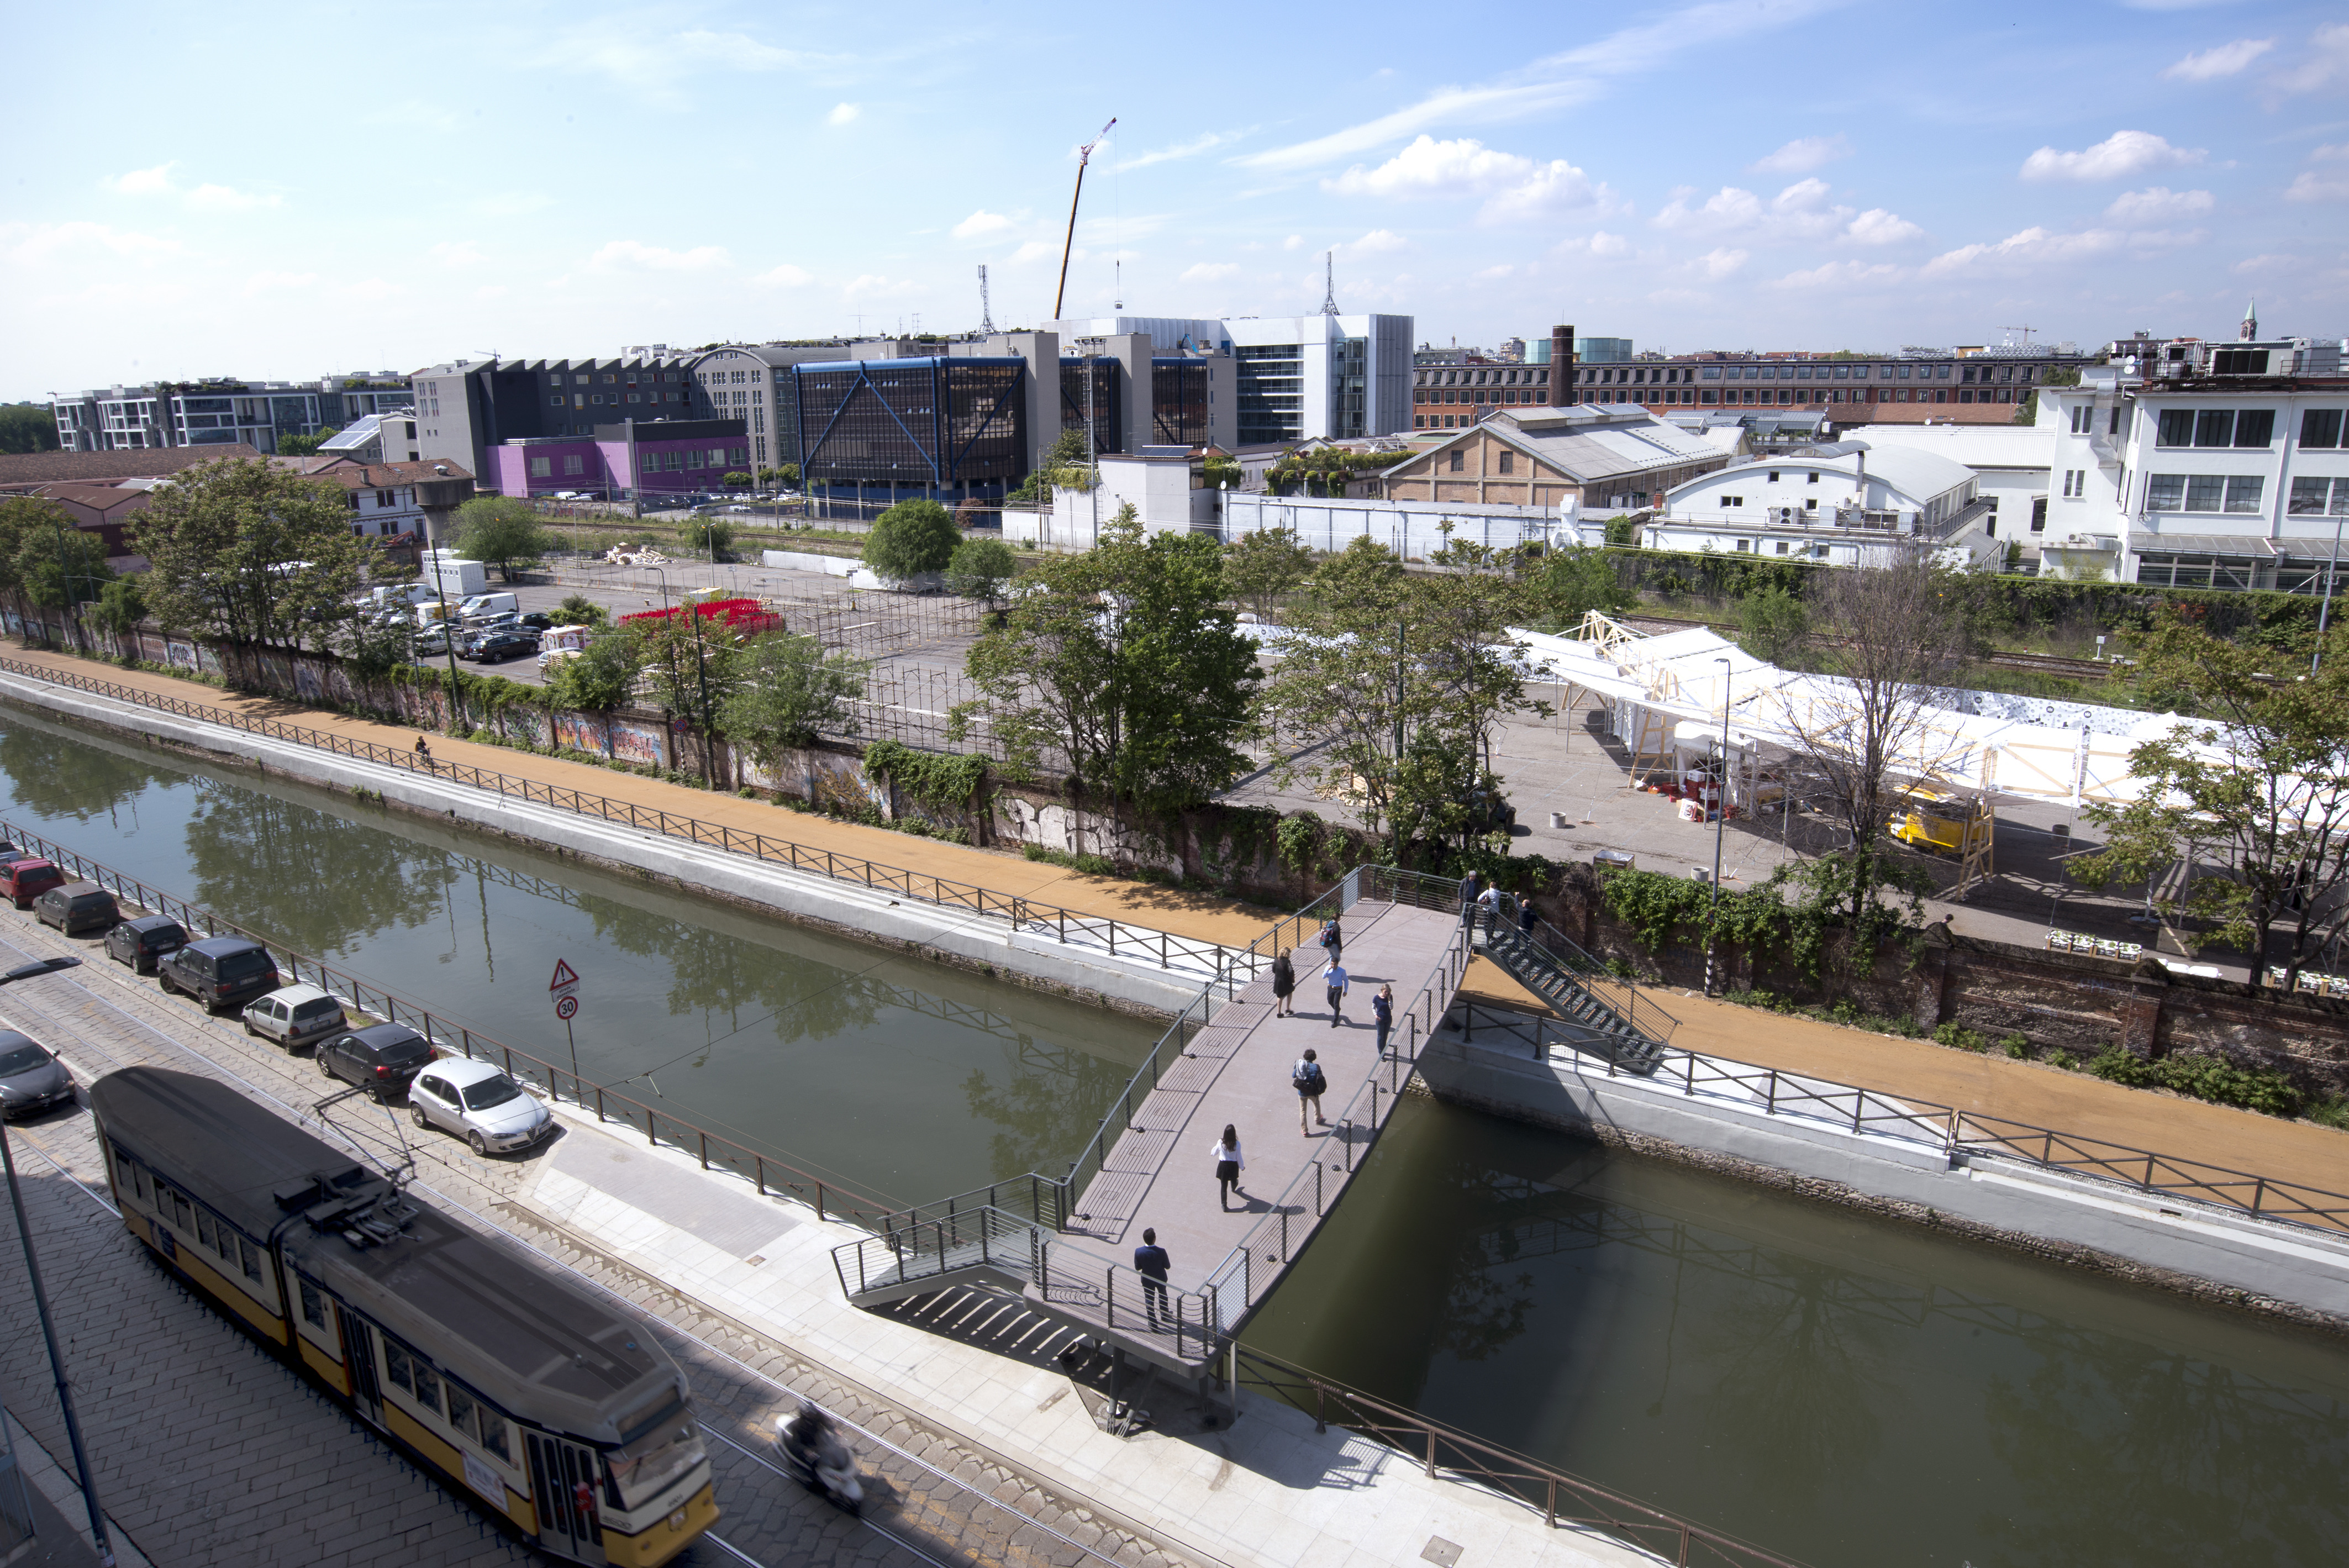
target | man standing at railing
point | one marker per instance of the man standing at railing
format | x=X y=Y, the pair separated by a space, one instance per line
x=1489 y=900
x=1150 y=1261
x=1382 y=1014
x=1468 y=885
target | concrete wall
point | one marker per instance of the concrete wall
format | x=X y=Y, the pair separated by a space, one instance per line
x=1411 y=529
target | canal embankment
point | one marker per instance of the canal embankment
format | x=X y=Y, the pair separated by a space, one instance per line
x=2241 y=1237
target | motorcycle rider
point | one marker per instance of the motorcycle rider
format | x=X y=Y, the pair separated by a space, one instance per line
x=812 y=1447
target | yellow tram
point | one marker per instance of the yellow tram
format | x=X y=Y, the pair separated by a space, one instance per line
x=554 y=1411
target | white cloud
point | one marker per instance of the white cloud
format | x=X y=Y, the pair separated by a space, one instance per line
x=2319 y=185
x=1495 y=273
x=1210 y=272
x=784 y=276
x=32 y=243
x=842 y=114
x=1600 y=243
x=980 y=222
x=876 y=285
x=1720 y=262
x=2116 y=156
x=1802 y=155
x=225 y=199
x=1374 y=243
x=278 y=281
x=1877 y=226
x=155 y=182
x=1191 y=149
x=2325 y=63
x=1843 y=275
x=1292 y=242
x=2269 y=263
x=1519 y=188
x=2156 y=204
x=1035 y=250
x=2037 y=246
x=633 y=51
x=1573 y=75
x=619 y=253
x=2226 y=60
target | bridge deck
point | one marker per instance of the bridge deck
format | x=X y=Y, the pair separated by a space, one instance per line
x=1161 y=1174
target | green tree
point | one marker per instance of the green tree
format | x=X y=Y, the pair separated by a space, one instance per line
x=1574 y=581
x=1396 y=689
x=502 y=531
x=709 y=535
x=910 y=538
x=604 y=674
x=120 y=606
x=1773 y=625
x=1621 y=532
x=27 y=426
x=252 y=554
x=304 y=445
x=694 y=667
x=579 y=609
x=2253 y=795
x=1265 y=567
x=2026 y=412
x=981 y=569
x=737 y=480
x=62 y=566
x=789 y=690
x=1066 y=464
x=1126 y=661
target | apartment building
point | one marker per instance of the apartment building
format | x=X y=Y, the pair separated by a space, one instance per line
x=465 y=407
x=1845 y=503
x=2202 y=464
x=219 y=411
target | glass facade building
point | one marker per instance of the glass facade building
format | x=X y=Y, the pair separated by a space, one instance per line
x=932 y=423
x=1178 y=402
x=1271 y=393
x=1108 y=436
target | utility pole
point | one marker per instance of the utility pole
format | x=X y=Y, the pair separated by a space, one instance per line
x=1720 y=823
x=41 y=1305
x=1398 y=735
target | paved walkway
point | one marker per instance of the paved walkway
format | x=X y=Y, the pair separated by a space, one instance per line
x=1201 y=916
x=1991 y=1085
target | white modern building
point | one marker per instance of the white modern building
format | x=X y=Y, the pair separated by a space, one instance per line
x=1297 y=377
x=1847 y=504
x=2013 y=463
x=2210 y=465
x=219 y=411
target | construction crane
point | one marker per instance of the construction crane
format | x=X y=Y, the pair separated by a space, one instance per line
x=986 y=314
x=1085 y=156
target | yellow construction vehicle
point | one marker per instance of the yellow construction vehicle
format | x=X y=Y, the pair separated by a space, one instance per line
x=1943 y=823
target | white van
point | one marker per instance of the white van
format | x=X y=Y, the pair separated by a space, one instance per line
x=481 y=607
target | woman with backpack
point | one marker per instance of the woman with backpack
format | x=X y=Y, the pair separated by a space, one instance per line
x=1284 y=984
x=1229 y=1163
x=1310 y=1081
x=1333 y=940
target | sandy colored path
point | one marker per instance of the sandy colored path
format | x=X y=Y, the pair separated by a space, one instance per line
x=1197 y=914
x=2041 y=1096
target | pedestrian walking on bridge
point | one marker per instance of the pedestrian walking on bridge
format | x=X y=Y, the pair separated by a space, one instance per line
x=1284 y=985
x=1489 y=900
x=1310 y=1081
x=1334 y=978
x=1333 y=941
x=1229 y=1163
x=1382 y=1014
x=1150 y=1261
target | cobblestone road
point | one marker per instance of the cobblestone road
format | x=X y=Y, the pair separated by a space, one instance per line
x=226 y=1456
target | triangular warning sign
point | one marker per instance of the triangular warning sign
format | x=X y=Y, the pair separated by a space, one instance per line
x=563 y=975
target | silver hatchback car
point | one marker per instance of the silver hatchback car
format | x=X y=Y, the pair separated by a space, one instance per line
x=294 y=1016
x=479 y=1103
x=32 y=1079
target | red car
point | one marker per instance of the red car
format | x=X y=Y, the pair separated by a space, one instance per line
x=22 y=881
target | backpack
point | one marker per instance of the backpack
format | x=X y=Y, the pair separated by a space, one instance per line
x=1328 y=934
x=1310 y=1078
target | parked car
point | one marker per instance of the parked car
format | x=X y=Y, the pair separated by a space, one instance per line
x=537 y=620
x=431 y=644
x=500 y=646
x=384 y=1057
x=479 y=606
x=294 y=1016
x=26 y=879
x=220 y=972
x=479 y=1103
x=145 y=943
x=32 y=1079
x=74 y=907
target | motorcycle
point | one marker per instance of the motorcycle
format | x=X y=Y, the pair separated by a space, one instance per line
x=812 y=1451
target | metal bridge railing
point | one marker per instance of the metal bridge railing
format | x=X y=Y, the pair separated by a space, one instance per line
x=1566 y=1499
x=827 y=1197
x=1953 y=1131
x=1230 y=965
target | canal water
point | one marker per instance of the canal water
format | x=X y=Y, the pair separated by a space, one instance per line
x=1842 y=1390
x=901 y=1080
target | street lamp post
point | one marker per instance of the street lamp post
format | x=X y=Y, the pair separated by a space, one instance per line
x=701 y=672
x=41 y=1300
x=449 y=646
x=1720 y=823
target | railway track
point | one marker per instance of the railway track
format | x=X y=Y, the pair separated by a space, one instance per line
x=2039 y=663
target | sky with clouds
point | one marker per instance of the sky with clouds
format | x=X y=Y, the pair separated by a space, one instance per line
x=289 y=190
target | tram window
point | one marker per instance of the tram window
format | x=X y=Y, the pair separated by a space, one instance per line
x=211 y=1243
x=313 y=1305
x=427 y=1388
x=397 y=1359
x=460 y=1411
x=251 y=1258
x=493 y=1435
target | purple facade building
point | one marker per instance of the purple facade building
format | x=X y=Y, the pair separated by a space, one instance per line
x=626 y=462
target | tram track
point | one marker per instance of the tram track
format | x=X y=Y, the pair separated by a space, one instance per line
x=54 y=1026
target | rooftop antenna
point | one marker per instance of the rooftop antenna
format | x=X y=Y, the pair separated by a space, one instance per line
x=1117 y=294
x=985 y=313
x=1085 y=156
x=1328 y=282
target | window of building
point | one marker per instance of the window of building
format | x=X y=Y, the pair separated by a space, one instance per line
x=1713 y=372
x=1811 y=504
x=1773 y=476
x=2075 y=483
x=385 y=500
x=611 y=380
x=1746 y=545
x=541 y=468
x=574 y=463
x=2254 y=427
x=1459 y=460
x=2081 y=415
x=1508 y=461
x=2320 y=427
x=2214 y=427
x=581 y=380
x=2308 y=498
x=1732 y=501
x=556 y=399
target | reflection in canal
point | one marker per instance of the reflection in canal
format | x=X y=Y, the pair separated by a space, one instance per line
x=901 y=1079
x=1843 y=1389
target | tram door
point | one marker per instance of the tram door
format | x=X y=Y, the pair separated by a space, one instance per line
x=359 y=1358
x=563 y=1477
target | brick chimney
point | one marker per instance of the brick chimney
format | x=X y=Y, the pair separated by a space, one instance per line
x=1561 y=367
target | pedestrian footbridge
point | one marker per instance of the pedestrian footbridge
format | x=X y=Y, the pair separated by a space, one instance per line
x=1064 y=1243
